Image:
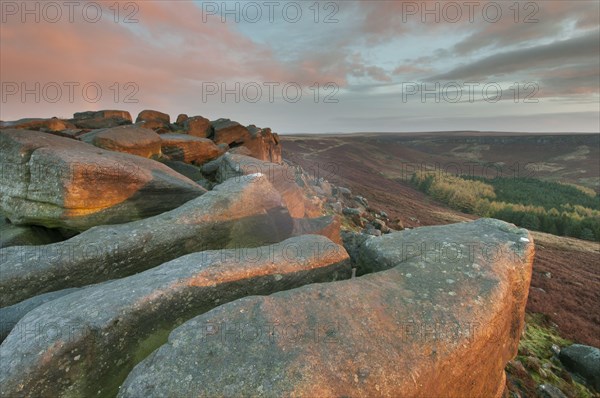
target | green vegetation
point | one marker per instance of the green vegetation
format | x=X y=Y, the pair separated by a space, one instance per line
x=537 y=357
x=551 y=207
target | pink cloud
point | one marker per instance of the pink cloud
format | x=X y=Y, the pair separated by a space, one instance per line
x=167 y=55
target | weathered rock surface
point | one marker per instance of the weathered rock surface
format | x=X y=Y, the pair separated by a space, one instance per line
x=121 y=321
x=229 y=132
x=264 y=144
x=101 y=119
x=51 y=124
x=131 y=139
x=157 y=126
x=9 y=316
x=426 y=327
x=58 y=182
x=584 y=361
x=147 y=115
x=189 y=149
x=549 y=391
x=260 y=143
x=197 y=126
x=245 y=212
x=282 y=177
x=192 y=172
x=182 y=117
x=26 y=235
x=328 y=226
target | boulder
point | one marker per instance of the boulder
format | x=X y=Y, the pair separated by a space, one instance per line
x=260 y=143
x=51 y=124
x=264 y=144
x=101 y=119
x=127 y=139
x=12 y=314
x=182 y=117
x=192 y=172
x=549 y=391
x=58 y=182
x=197 y=126
x=373 y=252
x=189 y=149
x=118 y=323
x=240 y=150
x=584 y=361
x=148 y=115
x=245 y=212
x=158 y=126
x=328 y=226
x=26 y=235
x=229 y=132
x=282 y=177
x=423 y=328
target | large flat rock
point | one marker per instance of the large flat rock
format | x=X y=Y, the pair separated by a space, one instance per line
x=432 y=325
x=245 y=212
x=117 y=323
x=59 y=182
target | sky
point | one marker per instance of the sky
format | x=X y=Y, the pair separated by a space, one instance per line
x=310 y=66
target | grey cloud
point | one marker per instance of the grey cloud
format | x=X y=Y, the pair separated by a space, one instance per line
x=543 y=56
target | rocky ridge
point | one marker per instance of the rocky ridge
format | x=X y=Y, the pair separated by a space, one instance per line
x=135 y=267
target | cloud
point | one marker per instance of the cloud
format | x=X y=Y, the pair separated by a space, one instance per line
x=567 y=52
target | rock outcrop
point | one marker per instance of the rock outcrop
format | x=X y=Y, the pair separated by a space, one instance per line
x=189 y=149
x=283 y=177
x=52 y=124
x=261 y=143
x=148 y=115
x=101 y=119
x=187 y=259
x=245 y=212
x=441 y=323
x=328 y=226
x=584 y=361
x=121 y=321
x=127 y=139
x=264 y=144
x=59 y=182
x=197 y=126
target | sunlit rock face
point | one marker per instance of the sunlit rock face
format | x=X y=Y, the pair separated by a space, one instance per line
x=284 y=178
x=130 y=139
x=239 y=213
x=189 y=148
x=261 y=143
x=51 y=124
x=119 y=322
x=197 y=126
x=440 y=323
x=101 y=119
x=59 y=182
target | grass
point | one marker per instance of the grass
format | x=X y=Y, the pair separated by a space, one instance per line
x=538 y=358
